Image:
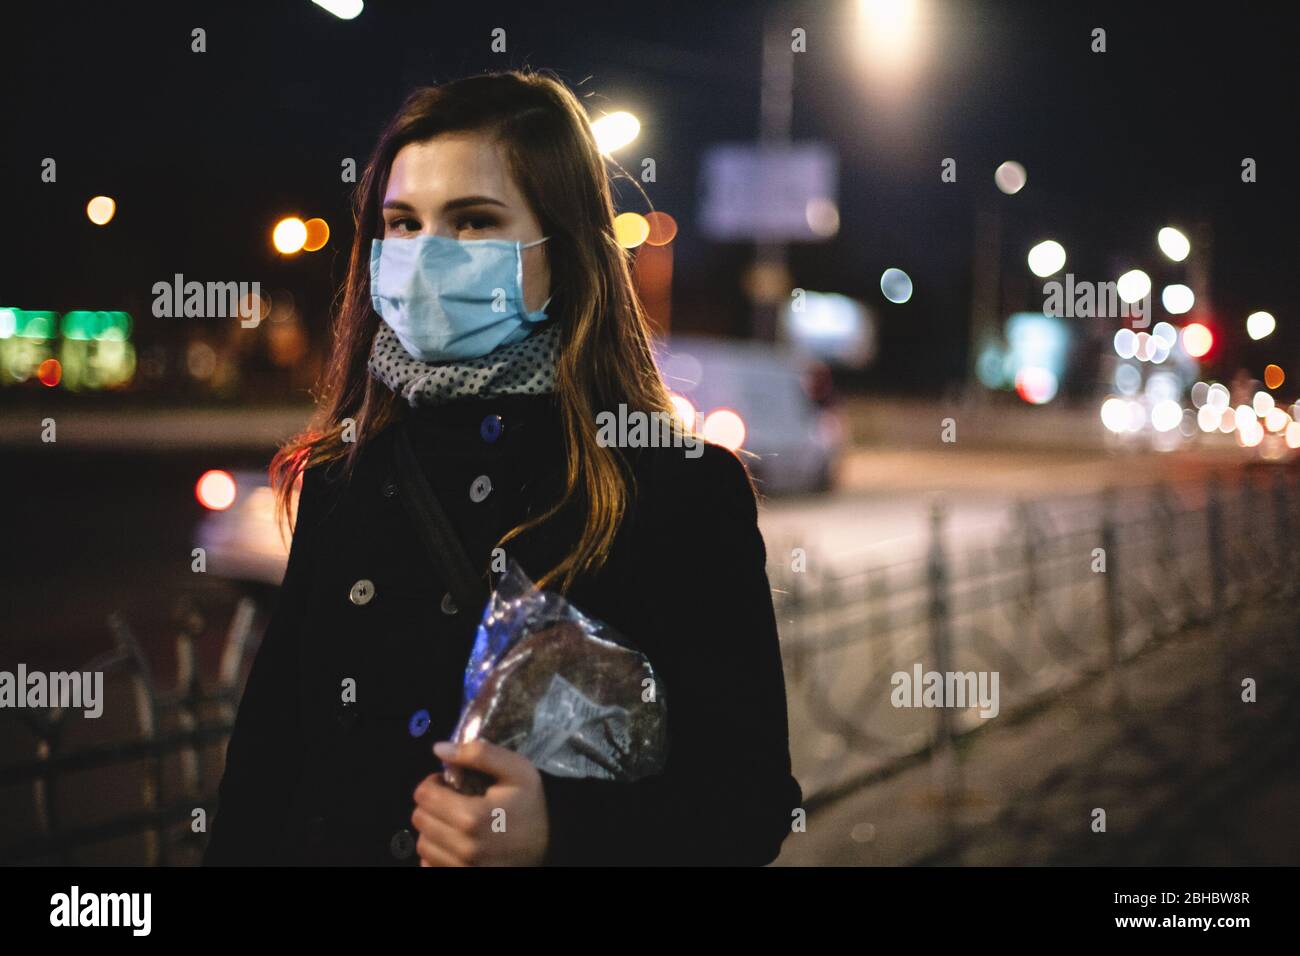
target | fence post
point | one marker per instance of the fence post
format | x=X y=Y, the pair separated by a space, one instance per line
x=1030 y=596
x=878 y=611
x=1282 y=523
x=1216 y=558
x=944 y=768
x=793 y=612
x=146 y=705
x=188 y=692
x=940 y=636
x=1110 y=580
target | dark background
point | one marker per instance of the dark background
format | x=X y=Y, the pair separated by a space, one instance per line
x=203 y=152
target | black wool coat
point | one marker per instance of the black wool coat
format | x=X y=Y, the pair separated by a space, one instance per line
x=312 y=780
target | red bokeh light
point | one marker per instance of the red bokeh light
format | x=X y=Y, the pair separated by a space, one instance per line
x=50 y=372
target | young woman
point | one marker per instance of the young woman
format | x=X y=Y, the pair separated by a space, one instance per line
x=489 y=315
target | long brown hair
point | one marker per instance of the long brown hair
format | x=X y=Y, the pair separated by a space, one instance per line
x=605 y=355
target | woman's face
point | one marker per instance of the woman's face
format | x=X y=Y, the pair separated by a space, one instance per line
x=457 y=185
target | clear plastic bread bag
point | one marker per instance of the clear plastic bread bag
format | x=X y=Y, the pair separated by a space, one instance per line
x=563 y=689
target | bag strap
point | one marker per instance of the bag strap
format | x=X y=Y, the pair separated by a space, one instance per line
x=435 y=530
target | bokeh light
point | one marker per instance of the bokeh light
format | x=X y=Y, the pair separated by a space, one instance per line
x=101 y=210
x=1114 y=414
x=1037 y=386
x=1250 y=433
x=822 y=216
x=1177 y=299
x=50 y=372
x=343 y=9
x=1166 y=415
x=1126 y=343
x=215 y=489
x=1197 y=340
x=1260 y=325
x=631 y=229
x=1133 y=286
x=318 y=233
x=1173 y=243
x=896 y=285
x=663 y=228
x=683 y=410
x=1046 y=258
x=725 y=427
x=289 y=235
x=1010 y=177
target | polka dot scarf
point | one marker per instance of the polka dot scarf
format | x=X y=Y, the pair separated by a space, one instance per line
x=526 y=367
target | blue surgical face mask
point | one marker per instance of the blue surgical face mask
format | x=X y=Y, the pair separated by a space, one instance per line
x=447 y=299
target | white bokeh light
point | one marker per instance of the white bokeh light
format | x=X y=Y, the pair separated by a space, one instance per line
x=1046 y=258
x=1260 y=325
x=1173 y=243
x=1177 y=299
x=1133 y=286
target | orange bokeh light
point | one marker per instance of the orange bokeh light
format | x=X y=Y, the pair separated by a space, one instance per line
x=318 y=233
x=663 y=228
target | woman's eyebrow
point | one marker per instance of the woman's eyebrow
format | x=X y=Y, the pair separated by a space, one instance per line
x=454 y=204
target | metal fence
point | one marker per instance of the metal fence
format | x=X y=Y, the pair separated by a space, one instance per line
x=1069 y=591
x=169 y=751
x=1072 y=589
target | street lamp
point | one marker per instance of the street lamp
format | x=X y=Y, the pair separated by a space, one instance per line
x=614 y=131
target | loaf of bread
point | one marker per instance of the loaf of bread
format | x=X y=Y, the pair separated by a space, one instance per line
x=573 y=703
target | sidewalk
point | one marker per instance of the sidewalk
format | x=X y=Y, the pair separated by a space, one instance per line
x=1187 y=773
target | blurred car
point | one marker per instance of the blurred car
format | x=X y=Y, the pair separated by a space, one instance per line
x=761 y=398
x=239 y=531
x=749 y=396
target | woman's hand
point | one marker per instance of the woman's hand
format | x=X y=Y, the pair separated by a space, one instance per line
x=506 y=826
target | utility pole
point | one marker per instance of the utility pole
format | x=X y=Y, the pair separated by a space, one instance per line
x=986 y=288
x=769 y=278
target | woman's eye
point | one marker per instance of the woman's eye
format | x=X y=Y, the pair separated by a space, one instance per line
x=401 y=225
x=475 y=224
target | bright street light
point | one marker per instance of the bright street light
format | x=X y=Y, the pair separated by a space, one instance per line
x=614 y=131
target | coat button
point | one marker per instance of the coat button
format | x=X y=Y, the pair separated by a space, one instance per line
x=490 y=428
x=419 y=723
x=389 y=489
x=449 y=605
x=362 y=592
x=402 y=845
x=480 y=489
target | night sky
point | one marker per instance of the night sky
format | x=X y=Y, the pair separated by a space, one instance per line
x=203 y=152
